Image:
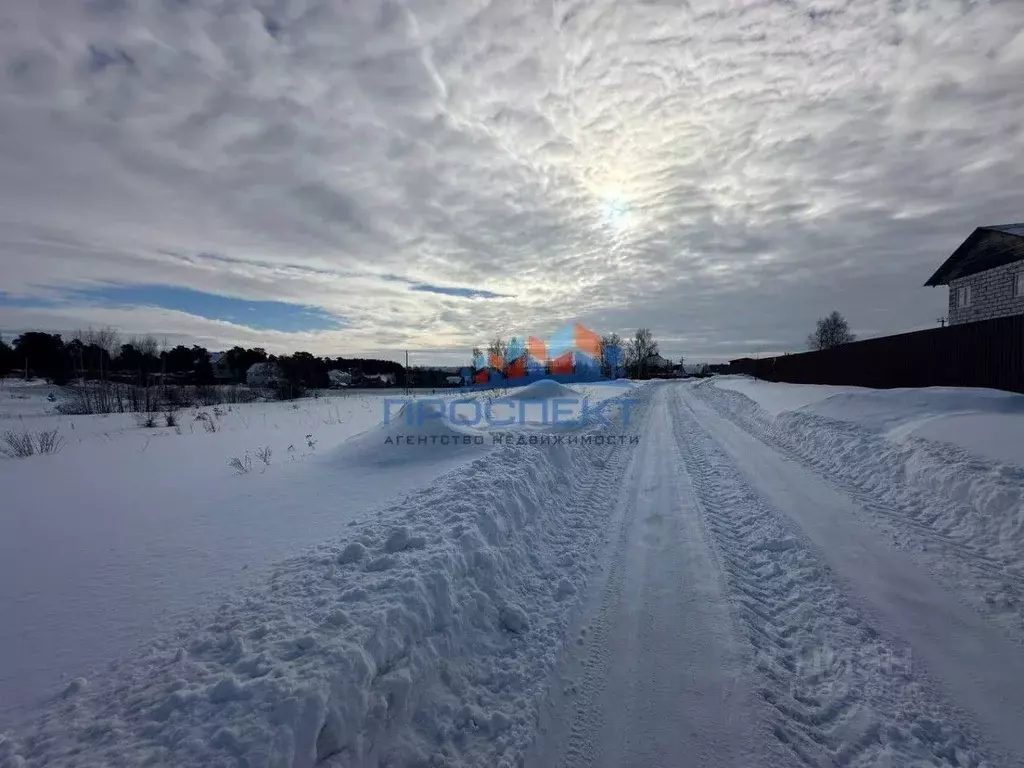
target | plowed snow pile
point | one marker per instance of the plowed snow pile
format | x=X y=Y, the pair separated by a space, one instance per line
x=987 y=422
x=775 y=398
x=545 y=389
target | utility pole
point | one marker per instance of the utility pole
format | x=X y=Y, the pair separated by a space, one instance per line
x=942 y=322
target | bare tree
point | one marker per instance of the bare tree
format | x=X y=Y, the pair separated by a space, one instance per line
x=832 y=331
x=640 y=349
x=477 y=355
x=106 y=340
x=147 y=345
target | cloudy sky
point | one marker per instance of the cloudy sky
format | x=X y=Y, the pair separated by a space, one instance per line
x=367 y=176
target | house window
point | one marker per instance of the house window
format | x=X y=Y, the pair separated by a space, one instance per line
x=1018 y=285
x=963 y=297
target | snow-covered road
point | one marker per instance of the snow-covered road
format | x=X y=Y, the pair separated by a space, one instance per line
x=659 y=677
x=709 y=584
x=751 y=615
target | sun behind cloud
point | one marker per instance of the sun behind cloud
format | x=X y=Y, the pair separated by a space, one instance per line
x=615 y=211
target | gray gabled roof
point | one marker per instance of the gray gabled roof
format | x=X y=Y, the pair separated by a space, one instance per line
x=986 y=248
x=1010 y=229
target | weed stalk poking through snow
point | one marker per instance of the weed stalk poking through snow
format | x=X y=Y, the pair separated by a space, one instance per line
x=20 y=445
x=243 y=465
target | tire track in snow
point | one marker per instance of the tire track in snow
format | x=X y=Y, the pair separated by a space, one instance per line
x=662 y=682
x=581 y=742
x=602 y=492
x=580 y=750
x=839 y=695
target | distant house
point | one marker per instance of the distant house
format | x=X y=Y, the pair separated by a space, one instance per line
x=339 y=378
x=221 y=370
x=985 y=275
x=656 y=362
x=380 y=379
x=264 y=375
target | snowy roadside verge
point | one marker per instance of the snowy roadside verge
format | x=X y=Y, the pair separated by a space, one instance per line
x=424 y=638
x=960 y=514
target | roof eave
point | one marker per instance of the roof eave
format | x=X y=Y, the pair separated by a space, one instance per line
x=942 y=274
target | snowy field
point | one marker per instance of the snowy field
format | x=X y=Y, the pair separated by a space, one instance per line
x=127 y=528
x=127 y=531
x=744 y=574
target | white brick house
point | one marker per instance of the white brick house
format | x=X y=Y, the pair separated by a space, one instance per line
x=264 y=375
x=985 y=275
x=339 y=378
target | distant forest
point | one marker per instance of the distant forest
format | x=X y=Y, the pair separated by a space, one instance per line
x=106 y=355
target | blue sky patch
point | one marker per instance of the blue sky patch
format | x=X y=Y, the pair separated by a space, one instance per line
x=261 y=315
x=466 y=293
x=7 y=300
x=462 y=293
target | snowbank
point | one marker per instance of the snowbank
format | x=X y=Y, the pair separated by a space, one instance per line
x=424 y=637
x=883 y=408
x=997 y=437
x=986 y=422
x=545 y=389
x=775 y=398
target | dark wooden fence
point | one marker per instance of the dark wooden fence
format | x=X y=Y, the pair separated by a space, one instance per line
x=989 y=353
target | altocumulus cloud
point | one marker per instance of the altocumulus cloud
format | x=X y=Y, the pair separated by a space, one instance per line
x=724 y=172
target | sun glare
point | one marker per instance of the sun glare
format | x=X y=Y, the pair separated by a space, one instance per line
x=615 y=211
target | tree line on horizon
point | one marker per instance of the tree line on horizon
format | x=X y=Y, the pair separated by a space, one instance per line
x=105 y=355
